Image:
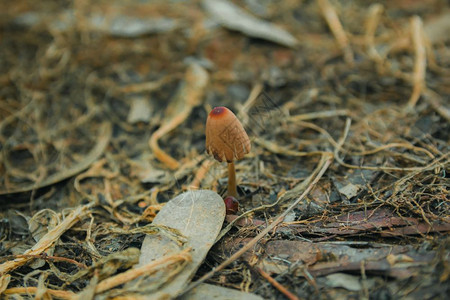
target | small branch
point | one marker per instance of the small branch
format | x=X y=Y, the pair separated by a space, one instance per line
x=46 y=257
x=149 y=86
x=189 y=95
x=201 y=174
x=251 y=100
x=34 y=290
x=319 y=115
x=277 y=285
x=324 y=163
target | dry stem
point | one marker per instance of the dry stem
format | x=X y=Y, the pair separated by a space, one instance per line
x=201 y=173
x=375 y=11
x=277 y=285
x=34 y=290
x=189 y=96
x=420 y=61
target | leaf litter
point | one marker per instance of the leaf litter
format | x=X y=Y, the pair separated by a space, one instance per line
x=102 y=114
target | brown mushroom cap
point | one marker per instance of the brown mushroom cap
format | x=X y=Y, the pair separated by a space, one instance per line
x=226 y=138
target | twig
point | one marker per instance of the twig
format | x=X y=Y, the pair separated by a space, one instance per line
x=34 y=290
x=153 y=266
x=416 y=169
x=341 y=141
x=277 y=149
x=113 y=205
x=277 y=285
x=330 y=15
x=375 y=11
x=189 y=95
x=324 y=163
x=395 y=145
x=147 y=86
x=420 y=61
x=162 y=156
x=201 y=173
x=319 y=115
x=46 y=257
x=252 y=97
x=430 y=166
x=283 y=197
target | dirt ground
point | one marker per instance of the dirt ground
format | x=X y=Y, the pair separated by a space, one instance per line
x=103 y=107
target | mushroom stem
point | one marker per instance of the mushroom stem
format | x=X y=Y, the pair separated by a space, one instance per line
x=232 y=190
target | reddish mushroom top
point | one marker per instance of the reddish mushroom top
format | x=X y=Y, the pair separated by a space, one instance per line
x=226 y=138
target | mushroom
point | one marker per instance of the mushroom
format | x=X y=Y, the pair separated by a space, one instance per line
x=227 y=141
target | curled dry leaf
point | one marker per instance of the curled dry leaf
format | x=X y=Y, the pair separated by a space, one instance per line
x=235 y=18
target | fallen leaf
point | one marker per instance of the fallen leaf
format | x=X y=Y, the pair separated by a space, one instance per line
x=235 y=18
x=198 y=216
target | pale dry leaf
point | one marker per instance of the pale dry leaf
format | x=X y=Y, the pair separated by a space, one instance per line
x=233 y=17
x=198 y=216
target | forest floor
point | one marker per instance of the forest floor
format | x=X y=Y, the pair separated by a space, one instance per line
x=103 y=107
